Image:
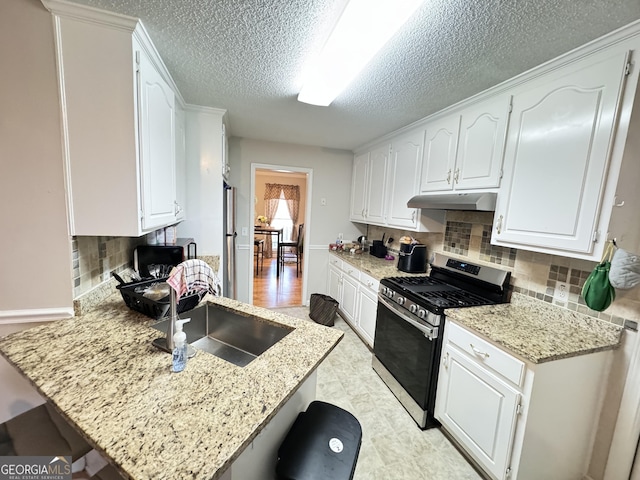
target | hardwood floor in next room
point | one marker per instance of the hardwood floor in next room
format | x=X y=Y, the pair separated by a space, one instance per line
x=270 y=291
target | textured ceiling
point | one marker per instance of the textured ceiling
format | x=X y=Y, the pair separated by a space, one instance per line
x=246 y=56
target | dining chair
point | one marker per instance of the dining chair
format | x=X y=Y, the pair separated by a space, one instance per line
x=290 y=250
x=258 y=253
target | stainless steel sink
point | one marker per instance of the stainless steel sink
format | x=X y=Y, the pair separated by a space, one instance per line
x=232 y=336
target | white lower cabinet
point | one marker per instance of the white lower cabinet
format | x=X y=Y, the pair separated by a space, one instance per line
x=515 y=419
x=356 y=293
x=349 y=297
x=488 y=422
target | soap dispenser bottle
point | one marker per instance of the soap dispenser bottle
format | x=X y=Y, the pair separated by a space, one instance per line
x=180 y=347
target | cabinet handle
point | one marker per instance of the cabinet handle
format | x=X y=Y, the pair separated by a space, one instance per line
x=363 y=212
x=445 y=360
x=449 y=177
x=413 y=217
x=499 y=225
x=456 y=176
x=478 y=352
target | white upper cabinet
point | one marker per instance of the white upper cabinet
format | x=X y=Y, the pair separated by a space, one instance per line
x=118 y=119
x=559 y=144
x=440 y=154
x=483 y=128
x=385 y=178
x=404 y=178
x=359 y=187
x=464 y=151
x=181 y=164
x=377 y=185
x=157 y=145
x=368 y=185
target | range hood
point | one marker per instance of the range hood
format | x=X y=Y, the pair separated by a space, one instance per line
x=485 y=202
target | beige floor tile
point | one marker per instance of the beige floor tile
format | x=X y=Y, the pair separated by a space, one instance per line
x=393 y=447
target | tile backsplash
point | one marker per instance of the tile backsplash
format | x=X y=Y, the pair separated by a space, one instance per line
x=94 y=258
x=468 y=235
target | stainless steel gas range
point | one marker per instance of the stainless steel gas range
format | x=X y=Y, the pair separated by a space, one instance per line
x=410 y=323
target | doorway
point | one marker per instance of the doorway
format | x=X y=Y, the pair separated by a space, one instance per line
x=282 y=195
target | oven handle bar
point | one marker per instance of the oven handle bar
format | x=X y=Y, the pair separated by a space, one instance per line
x=430 y=333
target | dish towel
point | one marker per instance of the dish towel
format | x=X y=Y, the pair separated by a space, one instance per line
x=193 y=276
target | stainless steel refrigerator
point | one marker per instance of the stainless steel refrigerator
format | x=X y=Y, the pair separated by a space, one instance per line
x=229 y=260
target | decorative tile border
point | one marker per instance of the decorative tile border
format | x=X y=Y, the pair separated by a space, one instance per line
x=457 y=237
x=493 y=253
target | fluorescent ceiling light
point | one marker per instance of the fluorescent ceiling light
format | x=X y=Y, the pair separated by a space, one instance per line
x=363 y=29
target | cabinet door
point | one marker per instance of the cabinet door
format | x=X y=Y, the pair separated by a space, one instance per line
x=481 y=142
x=349 y=297
x=181 y=165
x=559 y=143
x=334 y=286
x=366 y=317
x=478 y=410
x=440 y=154
x=359 y=187
x=404 y=179
x=157 y=150
x=379 y=160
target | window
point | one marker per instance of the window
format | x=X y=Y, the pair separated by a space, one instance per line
x=282 y=219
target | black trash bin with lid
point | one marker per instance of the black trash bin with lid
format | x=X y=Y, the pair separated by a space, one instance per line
x=323 y=444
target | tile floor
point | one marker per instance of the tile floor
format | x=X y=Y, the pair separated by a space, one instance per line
x=393 y=447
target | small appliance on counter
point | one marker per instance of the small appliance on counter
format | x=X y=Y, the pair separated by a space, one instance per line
x=412 y=258
x=162 y=255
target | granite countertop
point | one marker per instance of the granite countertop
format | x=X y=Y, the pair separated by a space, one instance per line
x=378 y=268
x=538 y=331
x=102 y=372
x=532 y=329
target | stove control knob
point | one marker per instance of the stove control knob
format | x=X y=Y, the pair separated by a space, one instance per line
x=413 y=308
x=422 y=313
x=400 y=300
x=383 y=290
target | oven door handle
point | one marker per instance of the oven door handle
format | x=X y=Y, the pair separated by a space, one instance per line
x=430 y=333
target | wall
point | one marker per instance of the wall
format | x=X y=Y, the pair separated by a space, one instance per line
x=468 y=235
x=36 y=248
x=331 y=180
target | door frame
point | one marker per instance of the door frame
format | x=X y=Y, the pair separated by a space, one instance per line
x=307 y=217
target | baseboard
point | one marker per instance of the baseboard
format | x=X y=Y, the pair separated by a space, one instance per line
x=34 y=315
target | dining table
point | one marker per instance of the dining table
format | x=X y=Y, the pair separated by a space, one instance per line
x=271 y=232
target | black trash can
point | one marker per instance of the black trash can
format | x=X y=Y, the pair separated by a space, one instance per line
x=323 y=444
x=322 y=309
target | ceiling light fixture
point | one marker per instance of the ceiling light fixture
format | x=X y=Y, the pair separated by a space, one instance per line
x=363 y=29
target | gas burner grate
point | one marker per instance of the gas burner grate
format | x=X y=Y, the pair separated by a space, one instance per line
x=452 y=299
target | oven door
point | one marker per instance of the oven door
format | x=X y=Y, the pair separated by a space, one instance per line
x=410 y=351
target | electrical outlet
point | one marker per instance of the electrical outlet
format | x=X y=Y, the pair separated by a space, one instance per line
x=340 y=236
x=561 y=292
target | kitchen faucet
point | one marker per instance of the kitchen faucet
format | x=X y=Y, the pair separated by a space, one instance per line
x=166 y=343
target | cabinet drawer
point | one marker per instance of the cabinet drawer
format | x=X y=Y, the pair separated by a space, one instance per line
x=369 y=282
x=351 y=271
x=335 y=261
x=487 y=354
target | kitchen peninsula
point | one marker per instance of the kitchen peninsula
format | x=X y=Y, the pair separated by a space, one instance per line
x=101 y=371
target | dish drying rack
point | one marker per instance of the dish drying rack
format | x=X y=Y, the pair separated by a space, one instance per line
x=133 y=296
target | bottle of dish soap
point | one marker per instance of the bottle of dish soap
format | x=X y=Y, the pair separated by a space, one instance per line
x=179 y=347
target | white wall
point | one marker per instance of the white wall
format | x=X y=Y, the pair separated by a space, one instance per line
x=204 y=213
x=35 y=246
x=331 y=180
